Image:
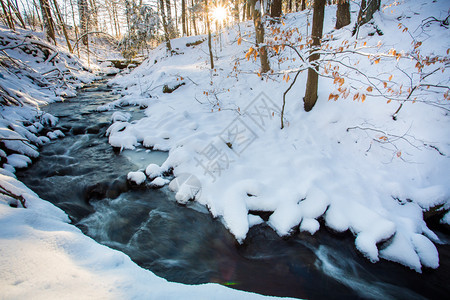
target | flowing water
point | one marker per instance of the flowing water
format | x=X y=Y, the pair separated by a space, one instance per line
x=86 y=177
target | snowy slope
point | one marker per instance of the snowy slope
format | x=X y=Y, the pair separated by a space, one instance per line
x=347 y=163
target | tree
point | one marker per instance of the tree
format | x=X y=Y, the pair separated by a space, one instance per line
x=48 y=20
x=165 y=27
x=275 y=9
x=169 y=20
x=211 y=58
x=63 y=25
x=342 y=13
x=303 y=5
x=183 y=17
x=143 y=22
x=366 y=11
x=316 y=35
x=83 y=11
x=259 y=32
x=7 y=15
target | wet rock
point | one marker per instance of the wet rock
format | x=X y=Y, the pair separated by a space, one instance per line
x=96 y=191
x=117 y=187
x=77 y=130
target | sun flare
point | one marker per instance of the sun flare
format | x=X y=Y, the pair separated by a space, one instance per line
x=219 y=13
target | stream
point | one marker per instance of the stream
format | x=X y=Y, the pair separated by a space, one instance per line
x=83 y=175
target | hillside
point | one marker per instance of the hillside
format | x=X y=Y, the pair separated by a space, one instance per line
x=347 y=164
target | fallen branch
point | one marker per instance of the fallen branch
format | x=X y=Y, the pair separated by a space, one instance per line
x=19 y=198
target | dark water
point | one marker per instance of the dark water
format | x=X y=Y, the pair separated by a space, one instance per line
x=83 y=175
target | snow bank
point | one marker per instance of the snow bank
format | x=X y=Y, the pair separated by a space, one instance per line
x=348 y=162
x=34 y=73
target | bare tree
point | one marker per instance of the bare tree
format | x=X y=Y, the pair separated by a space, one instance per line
x=211 y=58
x=259 y=32
x=15 y=8
x=83 y=11
x=316 y=35
x=275 y=10
x=49 y=25
x=342 y=13
x=366 y=11
x=63 y=25
x=165 y=27
x=9 y=19
x=183 y=17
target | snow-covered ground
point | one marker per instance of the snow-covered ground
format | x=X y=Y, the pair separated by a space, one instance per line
x=347 y=162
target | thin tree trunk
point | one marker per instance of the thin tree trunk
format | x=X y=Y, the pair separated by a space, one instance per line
x=183 y=17
x=169 y=20
x=193 y=19
x=48 y=20
x=259 y=32
x=166 y=30
x=176 y=17
x=75 y=26
x=8 y=18
x=32 y=21
x=313 y=76
x=211 y=58
x=63 y=26
x=303 y=6
x=116 y=19
x=17 y=13
x=249 y=9
x=84 y=20
x=37 y=14
x=94 y=14
x=236 y=11
x=342 y=13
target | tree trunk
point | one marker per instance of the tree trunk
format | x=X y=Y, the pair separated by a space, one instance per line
x=342 y=13
x=368 y=8
x=303 y=4
x=83 y=12
x=8 y=17
x=166 y=30
x=275 y=10
x=183 y=16
x=17 y=13
x=211 y=58
x=93 y=12
x=259 y=32
x=236 y=11
x=249 y=9
x=169 y=20
x=63 y=26
x=313 y=76
x=48 y=20
x=194 y=25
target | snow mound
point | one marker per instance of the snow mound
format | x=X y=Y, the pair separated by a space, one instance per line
x=136 y=177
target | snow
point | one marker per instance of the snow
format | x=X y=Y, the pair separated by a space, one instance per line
x=18 y=160
x=159 y=182
x=348 y=162
x=136 y=177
